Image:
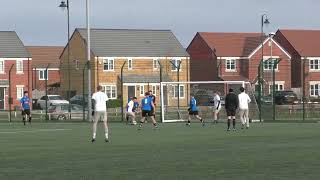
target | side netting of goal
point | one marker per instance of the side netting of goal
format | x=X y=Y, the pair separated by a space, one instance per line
x=175 y=99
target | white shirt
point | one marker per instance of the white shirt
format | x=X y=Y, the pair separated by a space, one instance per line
x=130 y=106
x=217 y=101
x=100 y=99
x=244 y=101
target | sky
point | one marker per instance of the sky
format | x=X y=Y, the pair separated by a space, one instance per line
x=41 y=22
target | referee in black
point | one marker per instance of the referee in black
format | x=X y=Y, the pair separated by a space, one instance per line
x=231 y=105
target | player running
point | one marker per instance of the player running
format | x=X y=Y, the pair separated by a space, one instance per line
x=100 y=112
x=193 y=111
x=153 y=97
x=231 y=106
x=216 y=106
x=25 y=107
x=146 y=107
x=244 y=101
x=130 y=115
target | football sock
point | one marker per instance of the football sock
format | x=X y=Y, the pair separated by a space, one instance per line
x=229 y=122
x=30 y=119
x=106 y=133
x=94 y=136
x=234 y=123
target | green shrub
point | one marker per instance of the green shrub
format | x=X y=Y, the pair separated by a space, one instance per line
x=114 y=103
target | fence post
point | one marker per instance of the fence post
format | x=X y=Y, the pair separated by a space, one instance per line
x=121 y=84
x=275 y=63
x=260 y=90
x=160 y=85
x=10 y=96
x=46 y=86
x=303 y=89
x=83 y=92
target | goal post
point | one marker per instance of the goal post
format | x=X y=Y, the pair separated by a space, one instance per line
x=175 y=98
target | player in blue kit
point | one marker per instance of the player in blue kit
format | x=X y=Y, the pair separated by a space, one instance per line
x=147 y=106
x=193 y=111
x=25 y=107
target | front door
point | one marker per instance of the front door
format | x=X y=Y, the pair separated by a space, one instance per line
x=2 y=98
x=131 y=91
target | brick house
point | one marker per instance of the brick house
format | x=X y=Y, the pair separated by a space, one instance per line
x=42 y=56
x=236 y=57
x=13 y=54
x=137 y=53
x=304 y=45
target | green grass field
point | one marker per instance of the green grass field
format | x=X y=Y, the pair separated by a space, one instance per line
x=63 y=151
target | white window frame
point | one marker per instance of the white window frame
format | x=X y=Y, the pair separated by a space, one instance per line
x=112 y=88
x=155 y=64
x=270 y=65
x=312 y=87
x=130 y=64
x=43 y=78
x=229 y=63
x=154 y=89
x=2 y=66
x=19 y=68
x=77 y=64
x=110 y=66
x=278 y=84
x=182 y=92
x=20 y=90
x=175 y=62
x=313 y=63
x=141 y=90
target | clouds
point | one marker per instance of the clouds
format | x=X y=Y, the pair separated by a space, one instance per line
x=41 y=22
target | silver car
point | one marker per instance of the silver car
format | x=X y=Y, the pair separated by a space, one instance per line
x=60 y=112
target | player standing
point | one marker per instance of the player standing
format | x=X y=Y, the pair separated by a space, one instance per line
x=100 y=99
x=131 y=111
x=231 y=106
x=153 y=98
x=25 y=107
x=146 y=107
x=193 y=111
x=216 y=106
x=244 y=101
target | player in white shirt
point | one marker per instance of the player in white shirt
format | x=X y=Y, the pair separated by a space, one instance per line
x=216 y=106
x=244 y=101
x=131 y=111
x=100 y=112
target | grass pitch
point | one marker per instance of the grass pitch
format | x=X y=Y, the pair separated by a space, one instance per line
x=64 y=151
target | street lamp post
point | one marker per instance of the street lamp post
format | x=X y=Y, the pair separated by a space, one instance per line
x=264 y=21
x=65 y=5
x=88 y=57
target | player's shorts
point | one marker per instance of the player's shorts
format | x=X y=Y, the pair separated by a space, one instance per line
x=26 y=112
x=216 y=110
x=231 y=111
x=146 y=113
x=194 y=113
x=100 y=115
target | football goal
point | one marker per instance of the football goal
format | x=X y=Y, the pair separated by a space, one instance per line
x=175 y=98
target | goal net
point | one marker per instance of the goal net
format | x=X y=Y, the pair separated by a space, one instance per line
x=175 y=98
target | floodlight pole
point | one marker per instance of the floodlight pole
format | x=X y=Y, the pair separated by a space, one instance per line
x=88 y=58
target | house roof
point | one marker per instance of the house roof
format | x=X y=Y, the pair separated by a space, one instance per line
x=134 y=43
x=44 y=55
x=305 y=42
x=231 y=44
x=11 y=46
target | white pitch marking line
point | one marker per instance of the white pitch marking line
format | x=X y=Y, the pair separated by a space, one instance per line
x=40 y=130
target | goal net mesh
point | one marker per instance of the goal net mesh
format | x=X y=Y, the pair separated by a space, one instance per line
x=175 y=101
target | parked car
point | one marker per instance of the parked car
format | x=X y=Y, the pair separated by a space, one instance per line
x=285 y=97
x=51 y=100
x=60 y=111
x=264 y=99
x=78 y=99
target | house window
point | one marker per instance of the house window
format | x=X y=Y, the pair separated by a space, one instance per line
x=154 y=89
x=278 y=87
x=155 y=64
x=19 y=91
x=19 y=66
x=176 y=91
x=268 y=64
x=314 y=64
x=43 y=75
x=315 y=89
x=176 y=64
x=1 y=66
x=230 y=65
x=110 y=90
x=141 y=90
x=108 y=65
x=129 y=64
x=77 y=63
